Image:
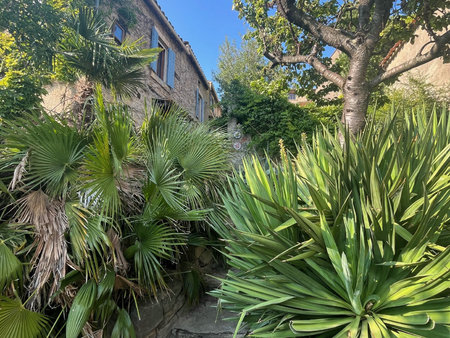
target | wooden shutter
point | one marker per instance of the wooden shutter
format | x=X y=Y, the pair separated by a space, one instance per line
x=154 y=44
x=202 y=116
x=196 y=104
x=171 y=68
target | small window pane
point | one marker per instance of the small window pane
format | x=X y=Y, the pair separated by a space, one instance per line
x=118 y=33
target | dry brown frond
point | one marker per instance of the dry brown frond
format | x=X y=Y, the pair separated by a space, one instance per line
x=130 y=189
x=19 y=171
x=120 y=263
x=49 y=259
x=66 y=297
x=122 y=283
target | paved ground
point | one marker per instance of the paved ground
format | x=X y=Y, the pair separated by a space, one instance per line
x=203 y=320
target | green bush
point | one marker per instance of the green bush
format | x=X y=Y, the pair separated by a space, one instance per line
x=344 y=241
x=267 y=118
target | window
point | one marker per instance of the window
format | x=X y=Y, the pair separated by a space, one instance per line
x=199 y=106
x=161 y=62
x=165 y=105
x=164 y=66
x=118 y=33
x=292 y=96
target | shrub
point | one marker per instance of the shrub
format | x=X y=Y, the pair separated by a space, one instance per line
x=105 y=204
x=344 y=241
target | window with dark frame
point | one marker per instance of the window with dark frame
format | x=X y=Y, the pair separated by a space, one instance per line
x=292 y=96
x=161 y=63
x=164 y=65
x=118 y=33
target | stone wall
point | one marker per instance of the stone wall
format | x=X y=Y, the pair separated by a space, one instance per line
x=157 y=317
x=188 y=73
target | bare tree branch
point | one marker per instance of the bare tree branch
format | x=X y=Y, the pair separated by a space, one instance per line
x=331 y=36
x=311 y=59
x=436 y=51
x=364 y=14
x=379 y=20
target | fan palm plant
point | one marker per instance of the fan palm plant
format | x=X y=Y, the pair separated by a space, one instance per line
x=94 y=215
x=344 y=242
x=89 y=49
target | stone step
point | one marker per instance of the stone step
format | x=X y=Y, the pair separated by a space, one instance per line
x=203 y=321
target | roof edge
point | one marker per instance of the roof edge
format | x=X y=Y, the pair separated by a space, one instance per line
x=153 y=4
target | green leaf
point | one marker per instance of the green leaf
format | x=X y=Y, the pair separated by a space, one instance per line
x=314 y=325
x=81 y=309
x=18 y=322
x=123 y=328
x=10 y=266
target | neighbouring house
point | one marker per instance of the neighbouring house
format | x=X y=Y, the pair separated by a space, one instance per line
x=175 y=77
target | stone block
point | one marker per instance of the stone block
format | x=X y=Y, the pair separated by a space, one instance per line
x=152 y=314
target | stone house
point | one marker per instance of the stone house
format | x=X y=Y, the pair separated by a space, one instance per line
x=175 y=77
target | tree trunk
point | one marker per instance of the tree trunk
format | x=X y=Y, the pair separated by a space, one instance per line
x=82 y=113
x=356 y=93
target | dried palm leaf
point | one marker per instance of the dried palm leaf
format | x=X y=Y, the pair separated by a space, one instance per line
x=130 y=189
x=49 y=259
x=19 y=171
x=120 y=263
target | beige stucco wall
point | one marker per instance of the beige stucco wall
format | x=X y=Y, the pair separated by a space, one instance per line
x=435 y=72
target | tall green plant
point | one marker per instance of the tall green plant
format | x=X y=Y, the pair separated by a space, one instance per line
x=91 y=218
x=344 y=241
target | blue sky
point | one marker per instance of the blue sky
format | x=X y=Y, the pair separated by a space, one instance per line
x=205 y=24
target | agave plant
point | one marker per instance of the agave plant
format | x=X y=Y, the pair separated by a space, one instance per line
x=344 y=241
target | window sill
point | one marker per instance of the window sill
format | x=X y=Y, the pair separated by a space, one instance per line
x=160 y=81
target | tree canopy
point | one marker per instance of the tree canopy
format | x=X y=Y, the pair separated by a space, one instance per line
x=298 y=34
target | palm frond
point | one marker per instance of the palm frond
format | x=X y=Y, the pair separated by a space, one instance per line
x=18 y=322
x=10 y=266
x=123 y=328
x=89 y=241
x=89 y=48
x=81 y=309
x=153 y=243
x=54 y=152
x=49 y=258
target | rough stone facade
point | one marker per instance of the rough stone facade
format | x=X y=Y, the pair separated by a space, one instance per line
x=188 y=77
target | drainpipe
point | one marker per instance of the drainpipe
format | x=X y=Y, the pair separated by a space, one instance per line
x=97 y=2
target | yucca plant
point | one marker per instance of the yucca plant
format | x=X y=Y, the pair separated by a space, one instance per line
x=345 y=241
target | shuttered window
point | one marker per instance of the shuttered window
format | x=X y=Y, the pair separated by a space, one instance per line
x=164 y=66
x=171 y=68
x=202 y=114
x=118 y=33
x=197 y=104
x=154 y=44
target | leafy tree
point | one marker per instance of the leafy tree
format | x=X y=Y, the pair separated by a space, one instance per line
x=256 y=96
x=66 y=40
x=36 y=27
x=248 y=66
x=296 y=33
x=20 y=87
